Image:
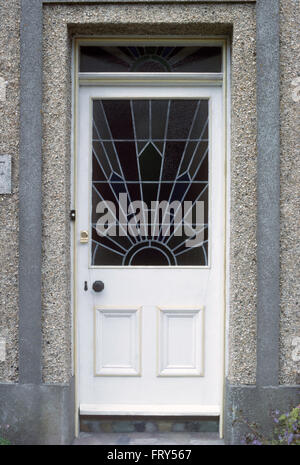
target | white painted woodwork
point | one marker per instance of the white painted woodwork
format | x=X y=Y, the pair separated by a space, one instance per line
x=181 y=342
x=130 y=79
x=117 y=342
x=154 y=410
x=151 y=342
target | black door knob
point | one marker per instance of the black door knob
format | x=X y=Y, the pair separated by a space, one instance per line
x=98 y=286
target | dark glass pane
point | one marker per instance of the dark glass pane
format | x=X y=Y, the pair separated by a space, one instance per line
x=149 y=173
x=178 y=125
x=150 y=163
x=118 y=117
x=95 y=59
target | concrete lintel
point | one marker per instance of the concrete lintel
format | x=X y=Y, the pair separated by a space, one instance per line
x=147 y=1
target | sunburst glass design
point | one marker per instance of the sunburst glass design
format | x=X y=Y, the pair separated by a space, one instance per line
x=150 y=151
x=96 y=59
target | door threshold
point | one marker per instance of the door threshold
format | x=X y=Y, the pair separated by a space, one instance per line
x=153 y=410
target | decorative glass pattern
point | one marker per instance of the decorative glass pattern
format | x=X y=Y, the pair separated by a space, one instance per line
x=148 y=154
x=94 y=59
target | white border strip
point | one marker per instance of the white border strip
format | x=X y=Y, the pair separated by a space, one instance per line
x=157 y=410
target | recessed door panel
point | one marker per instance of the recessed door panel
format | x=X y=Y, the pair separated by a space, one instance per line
x=181 y=342
x=117 y=342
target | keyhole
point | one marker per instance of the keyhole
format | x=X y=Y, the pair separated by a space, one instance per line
x=85 y=285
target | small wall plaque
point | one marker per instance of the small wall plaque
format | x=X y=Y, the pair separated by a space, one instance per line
x=2 y=349
x=3 y=84
x=5 y=174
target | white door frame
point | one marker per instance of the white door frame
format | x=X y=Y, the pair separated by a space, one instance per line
x=217 y=79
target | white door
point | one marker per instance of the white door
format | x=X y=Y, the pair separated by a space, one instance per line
x=150 y=342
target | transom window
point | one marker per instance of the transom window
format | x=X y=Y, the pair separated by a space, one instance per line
x=152 y=59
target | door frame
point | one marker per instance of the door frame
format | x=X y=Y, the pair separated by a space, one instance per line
x=221 y=79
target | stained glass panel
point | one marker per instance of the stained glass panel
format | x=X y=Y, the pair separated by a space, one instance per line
x=95 y=59
x=150 y=182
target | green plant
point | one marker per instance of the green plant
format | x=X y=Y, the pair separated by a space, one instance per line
x=4 y=442
x=3 y=434
x=286 y=429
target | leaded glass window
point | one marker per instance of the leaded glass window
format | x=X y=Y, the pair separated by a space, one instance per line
x=107 y=59
x=150 y=165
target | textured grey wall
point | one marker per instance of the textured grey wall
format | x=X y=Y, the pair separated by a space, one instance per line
x=268 y=191
x=290 y=198
x=118 y=20
x=9 y=143
x=56 y=262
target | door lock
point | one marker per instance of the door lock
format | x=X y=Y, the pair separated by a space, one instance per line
x=98 y=286
x=84 y=237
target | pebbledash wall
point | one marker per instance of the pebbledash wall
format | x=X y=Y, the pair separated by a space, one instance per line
x=262 y=355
